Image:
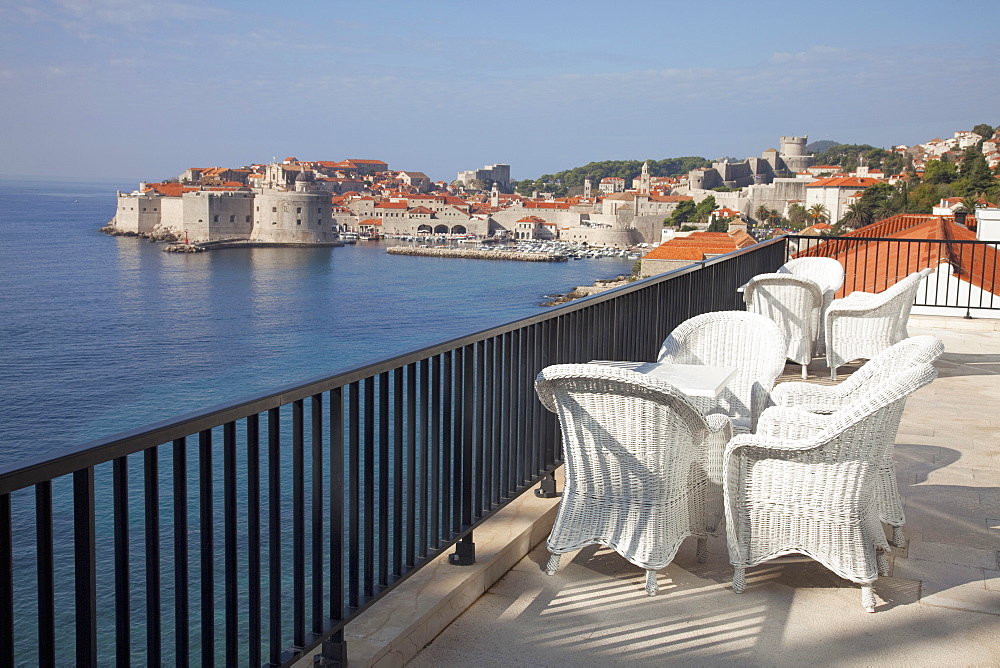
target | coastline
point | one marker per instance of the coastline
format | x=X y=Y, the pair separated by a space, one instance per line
x=474 y=254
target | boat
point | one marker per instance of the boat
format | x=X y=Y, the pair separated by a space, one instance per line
x=349 y=237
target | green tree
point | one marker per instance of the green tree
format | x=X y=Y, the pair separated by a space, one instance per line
x=858 y=214
x=720 y=224
x=761 y=213
x=975 y=176
x=983 y=130
x=797 y=216
x=939 y=171
x=682 y=213
x=818 y=213
x=704 y=209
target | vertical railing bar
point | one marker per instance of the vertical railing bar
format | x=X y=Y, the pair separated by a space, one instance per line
x=7 y=583
x=206 y=536
x=85 y=566
x=485 y=498
x=298 y=526
x=383 y=481
x=274 y=533
x=413 y=478
x=459 y=437
x=474 y=414
x=470 y=440
x=337 y=492
x=46 y=574
x=397 y=473
x=123 y=622
x=368 y=576
x=182 y=620
x=354 y=504
x=230 y=538
x=253 y=540
x=435 y=450
x=316 y=433
x=425 y=459
x=510 y=426
x=151 y=485
x=447 y=451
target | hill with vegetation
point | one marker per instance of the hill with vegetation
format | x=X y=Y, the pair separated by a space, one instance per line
x=560 y=183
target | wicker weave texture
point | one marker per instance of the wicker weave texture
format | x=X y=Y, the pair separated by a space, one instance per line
x=634 y=473
x=823 y=398
x=793 y=303
x=750 y=342
x=828 y=274
x=806 y=483
x=863 y=324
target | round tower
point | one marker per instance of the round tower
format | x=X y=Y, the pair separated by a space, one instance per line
x=794 y=146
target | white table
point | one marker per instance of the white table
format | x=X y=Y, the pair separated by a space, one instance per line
x=696 y=380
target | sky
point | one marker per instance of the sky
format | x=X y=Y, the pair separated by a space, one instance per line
x=144 y=90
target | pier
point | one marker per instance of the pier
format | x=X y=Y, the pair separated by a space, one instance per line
x=475 y=254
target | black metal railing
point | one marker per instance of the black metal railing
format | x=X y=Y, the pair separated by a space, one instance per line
x=144 y=547
x=965 y=277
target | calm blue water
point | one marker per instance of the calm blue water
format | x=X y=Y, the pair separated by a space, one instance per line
x=103 y=334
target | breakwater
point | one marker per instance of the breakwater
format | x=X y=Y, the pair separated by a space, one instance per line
x=474 y=254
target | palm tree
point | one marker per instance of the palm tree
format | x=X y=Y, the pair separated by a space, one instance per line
x=761 y=213
x=857 y=215
x=819 y=214
x=971 y=203
x=884 y=210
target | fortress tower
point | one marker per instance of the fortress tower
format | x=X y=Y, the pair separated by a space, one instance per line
x=793 y=146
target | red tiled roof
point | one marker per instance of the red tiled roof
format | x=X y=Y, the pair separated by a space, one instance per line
x=169 y=189
x=868 y=261
x=843 y=182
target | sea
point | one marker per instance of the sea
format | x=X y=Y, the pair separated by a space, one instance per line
x=101 y=334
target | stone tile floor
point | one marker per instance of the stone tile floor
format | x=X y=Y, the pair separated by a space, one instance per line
x=940 y=605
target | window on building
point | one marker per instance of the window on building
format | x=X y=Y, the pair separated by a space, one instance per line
x=232 y=219
x=248 y=219
x=274 y=222
x=298 y=222
x=274 y=209
x=215 y=218
x=298 y=209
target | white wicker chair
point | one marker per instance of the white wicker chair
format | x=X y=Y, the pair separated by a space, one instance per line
x=751 y=342
x=827 y=399
x=806 y=483
x=828 y=274
x=634 y=475
x=793 y=303
x=863 y=324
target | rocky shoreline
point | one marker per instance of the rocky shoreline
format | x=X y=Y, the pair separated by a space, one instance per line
x=472 y=254
x=600 y=285
x=113 y=231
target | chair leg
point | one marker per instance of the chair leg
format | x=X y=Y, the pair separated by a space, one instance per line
x=702 y=551
x=553 y=565
x=739 y=579
x=833 y=373
x=805 y=373
x=868 y=598
x=882 y=563
x=898 y=539
x=652 y=586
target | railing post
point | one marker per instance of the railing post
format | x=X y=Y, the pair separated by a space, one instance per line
x=465 y=552
x=547 y=488
x=333 y=652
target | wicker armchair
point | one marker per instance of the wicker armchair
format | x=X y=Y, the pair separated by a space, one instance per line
x=793 y=303
x=863 y=324
x=828 y=274
x=749 y=341
x=826 y=399
x=635 y=479
x=806 y=483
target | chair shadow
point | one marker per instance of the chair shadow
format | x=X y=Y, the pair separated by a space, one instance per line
x=966 y=364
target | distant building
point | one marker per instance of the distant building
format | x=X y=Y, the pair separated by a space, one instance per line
x=612 y=184
x=697 y=246
x=498 y=174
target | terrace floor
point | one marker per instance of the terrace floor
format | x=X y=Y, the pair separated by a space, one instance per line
x=941 y=604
